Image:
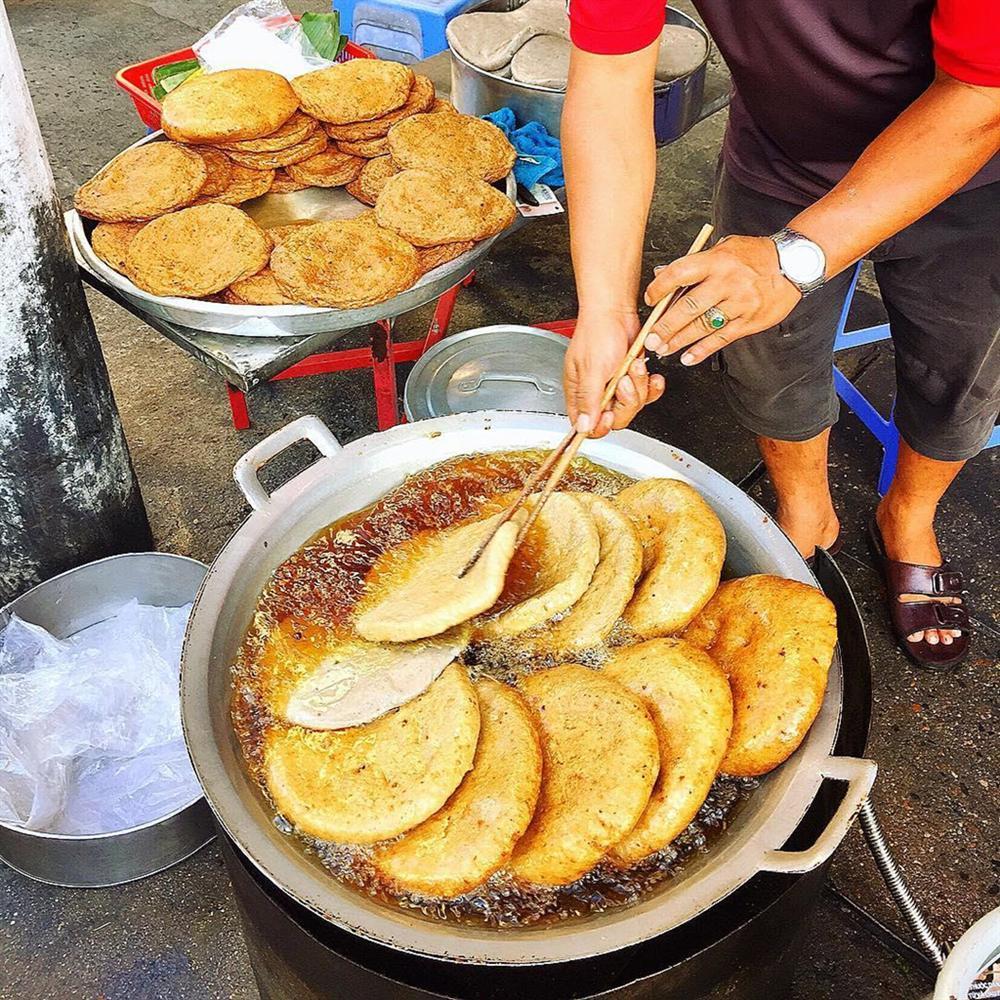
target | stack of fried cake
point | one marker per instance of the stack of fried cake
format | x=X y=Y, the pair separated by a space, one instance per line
x=236 y=135
x=639 y=679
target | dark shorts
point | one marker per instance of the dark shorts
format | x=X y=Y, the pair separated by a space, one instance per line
x=940 y=284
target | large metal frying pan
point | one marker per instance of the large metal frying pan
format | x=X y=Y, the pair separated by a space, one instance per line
x=346 y=479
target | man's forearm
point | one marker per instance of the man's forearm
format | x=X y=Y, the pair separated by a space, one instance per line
x=610 y=157
x=937 y=144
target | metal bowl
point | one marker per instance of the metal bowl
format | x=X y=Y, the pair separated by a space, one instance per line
x=318 y=204
x=347 y=479
x=63 y=606
x=677 y=104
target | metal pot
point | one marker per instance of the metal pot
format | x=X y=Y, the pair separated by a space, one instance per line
x=63 y=606
x=346 y=479
x=677 y=104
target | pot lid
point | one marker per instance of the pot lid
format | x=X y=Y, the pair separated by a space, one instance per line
x=490 y=368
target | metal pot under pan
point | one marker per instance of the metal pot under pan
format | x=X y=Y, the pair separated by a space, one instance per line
x=677 y=104
x=346 y=479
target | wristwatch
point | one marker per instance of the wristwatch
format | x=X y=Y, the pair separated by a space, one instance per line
x=800 y=260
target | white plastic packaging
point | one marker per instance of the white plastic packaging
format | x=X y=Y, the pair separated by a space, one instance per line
x=261 y=34
x=90 y=729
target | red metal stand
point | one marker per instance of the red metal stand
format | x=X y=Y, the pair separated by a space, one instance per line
x=381 y=357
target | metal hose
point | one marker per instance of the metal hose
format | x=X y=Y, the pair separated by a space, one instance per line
x=897 y=886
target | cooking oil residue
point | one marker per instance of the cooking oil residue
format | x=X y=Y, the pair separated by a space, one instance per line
x=318 y=588
x=503 y=902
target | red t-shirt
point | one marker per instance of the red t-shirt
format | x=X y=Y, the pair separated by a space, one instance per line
x=815 y=81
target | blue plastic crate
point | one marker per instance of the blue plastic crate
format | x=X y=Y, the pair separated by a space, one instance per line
x=406 y=30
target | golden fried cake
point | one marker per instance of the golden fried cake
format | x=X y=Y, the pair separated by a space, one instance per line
x=329 y=168
x=589 y=622
x=259 y=289
x=245 y=184
x=684 y=547
x=143 y=183
x=284 y=184
x=314 y=678
x=366 y=148
x=312 y=144
x=299 y=127
x=367 y=186
x=111 y=241
x=428 y=208
x=228 y=106
x=452 y=143
x=376 y=781
x=443 y=253
x=343 y=265
x=418 y=100
x=775 y=639
x=553 y=568
x=414 y=590
x=354 y=91
x=279 y=234
x=219 y=167
x=688 y=696
x=441 y=106
x=600 y=759
x=474 y=835
x=196 y=251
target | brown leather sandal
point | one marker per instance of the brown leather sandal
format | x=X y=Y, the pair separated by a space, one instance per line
x=917 y=616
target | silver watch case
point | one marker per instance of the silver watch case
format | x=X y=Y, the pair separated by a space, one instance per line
x=786 y=240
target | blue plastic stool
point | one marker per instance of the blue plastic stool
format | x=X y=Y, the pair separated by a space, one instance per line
x=884 y=430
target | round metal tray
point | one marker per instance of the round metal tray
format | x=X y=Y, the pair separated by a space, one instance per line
x=276 y=321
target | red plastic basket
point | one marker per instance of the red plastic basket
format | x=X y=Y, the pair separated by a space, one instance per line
x=137 y=80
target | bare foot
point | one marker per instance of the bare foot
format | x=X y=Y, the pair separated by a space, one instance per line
x=909 y=537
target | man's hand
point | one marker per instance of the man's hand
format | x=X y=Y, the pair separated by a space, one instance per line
x=597 y=349
x=740 y=276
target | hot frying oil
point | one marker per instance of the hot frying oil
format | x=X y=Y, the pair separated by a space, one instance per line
x=320 y=585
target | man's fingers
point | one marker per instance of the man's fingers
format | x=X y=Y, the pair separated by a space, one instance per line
x=584 y=388
x=690 y=307
x=697 y=329
x=604 y=425
x=683 y=271
x=707 y=346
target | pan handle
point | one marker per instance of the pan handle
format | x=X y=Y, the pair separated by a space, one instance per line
x=308 y=428
x=859 y=774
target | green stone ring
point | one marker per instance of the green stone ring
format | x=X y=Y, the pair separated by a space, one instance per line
x=714 y=318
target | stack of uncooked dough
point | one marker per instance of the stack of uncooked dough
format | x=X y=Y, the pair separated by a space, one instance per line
x=531 y=45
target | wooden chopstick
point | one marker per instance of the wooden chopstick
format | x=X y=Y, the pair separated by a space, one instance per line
x=558 y=460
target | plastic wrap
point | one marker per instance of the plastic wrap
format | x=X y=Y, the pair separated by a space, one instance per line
x=90 y=730
x=261 y=34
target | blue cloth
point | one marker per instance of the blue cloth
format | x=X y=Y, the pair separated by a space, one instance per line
x=539 y=157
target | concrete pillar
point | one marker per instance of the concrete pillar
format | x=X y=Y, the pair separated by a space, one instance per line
x=68 y=493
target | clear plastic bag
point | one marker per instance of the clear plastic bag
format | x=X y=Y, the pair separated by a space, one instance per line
x=90 y=730
x=261 y=34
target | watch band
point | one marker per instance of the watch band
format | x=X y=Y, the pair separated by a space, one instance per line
x=786 y=238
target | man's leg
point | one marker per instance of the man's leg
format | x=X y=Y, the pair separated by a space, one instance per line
x=939 y=286
x=798 y=471
x=779 y=383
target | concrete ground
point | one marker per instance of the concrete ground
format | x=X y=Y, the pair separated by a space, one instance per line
x=935 y=737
